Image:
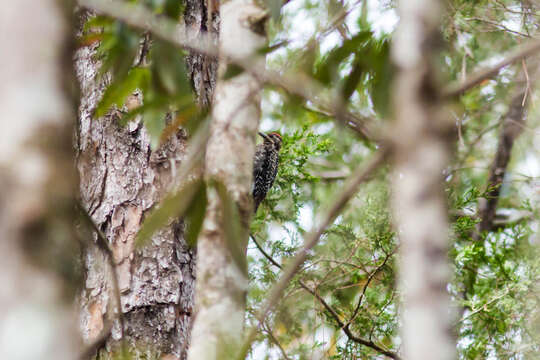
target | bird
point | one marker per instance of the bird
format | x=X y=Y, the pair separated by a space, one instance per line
x=265 y=166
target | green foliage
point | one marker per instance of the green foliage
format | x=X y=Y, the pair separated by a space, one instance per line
x=195 y=216
x=172 y=207
x=164 y=84
x=353 y=268
x=120 y=89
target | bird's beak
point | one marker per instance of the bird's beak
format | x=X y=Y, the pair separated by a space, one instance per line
x=264 y=136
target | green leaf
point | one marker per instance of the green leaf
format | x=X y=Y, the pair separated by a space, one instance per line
x=119 y=90
x=154 y=121
x=173 y=8
x=120 y=45
x=195 y=217
x=353 y=79
x=382 y=75
x=327 y=70
x=173 y=206
x=232 y=71
x=169 y=70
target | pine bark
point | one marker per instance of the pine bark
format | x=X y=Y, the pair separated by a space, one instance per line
x=121 y=179
x=37 y=241
x=422 y=150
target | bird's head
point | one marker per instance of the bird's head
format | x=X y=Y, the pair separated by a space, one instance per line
x=273 y=138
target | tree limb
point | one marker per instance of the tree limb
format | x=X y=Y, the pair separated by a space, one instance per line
x=459 y=87
x=512 y=127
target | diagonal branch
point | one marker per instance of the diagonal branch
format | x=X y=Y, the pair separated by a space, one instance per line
x=514 y=119
x=276 y=341
x=459 y=87
x=311 y=240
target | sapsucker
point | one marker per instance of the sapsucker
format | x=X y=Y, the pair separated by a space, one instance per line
x=265 y=166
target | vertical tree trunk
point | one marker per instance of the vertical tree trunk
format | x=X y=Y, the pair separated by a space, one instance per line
x=221 y=275
x=36 y=183
x=421 y=154
x=121 y=179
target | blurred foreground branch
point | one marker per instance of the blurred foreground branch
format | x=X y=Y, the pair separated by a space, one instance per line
x=178 y=35
x=523 y=51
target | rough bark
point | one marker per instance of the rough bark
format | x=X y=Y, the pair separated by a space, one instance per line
x=421 y=154
x=221 y=282
x=36 y=183
x=121 y=179
x=202 y=69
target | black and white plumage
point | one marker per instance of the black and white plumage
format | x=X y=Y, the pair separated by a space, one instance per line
x=265 y=166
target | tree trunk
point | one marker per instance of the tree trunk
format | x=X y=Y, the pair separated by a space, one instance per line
x=422 y=150
x=121 y=179
x=221 y=273
x=37 y=183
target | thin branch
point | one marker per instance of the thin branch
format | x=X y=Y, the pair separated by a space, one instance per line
x=499 y=26
x=344 y=327
x=275 y=341
x=180 y=36
x=371 y=276
x=311 y=240
x=265 y=254
x=357 y=124
x=523 y=51
x=484 y=307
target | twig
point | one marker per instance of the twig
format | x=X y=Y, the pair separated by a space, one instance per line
x=528 y=82
x=371 y=276
x=484 y=307
x=499 y=26
x=458 y=88
x=265 y=254
x=311 y=240
x=487 y=207
x=344 y=327
x=275 y=341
